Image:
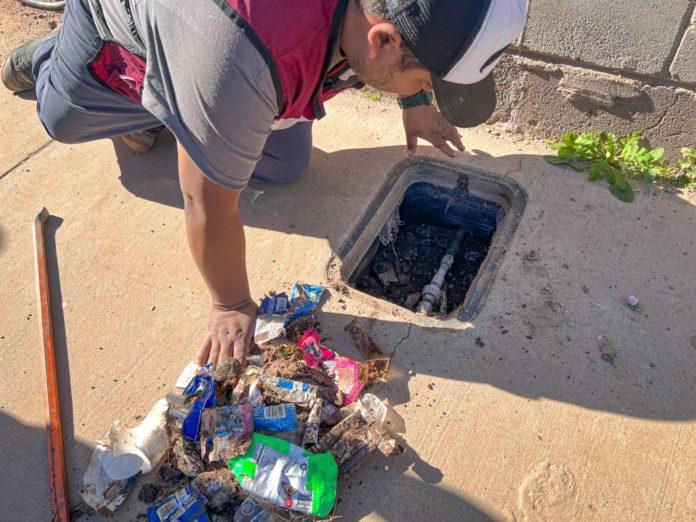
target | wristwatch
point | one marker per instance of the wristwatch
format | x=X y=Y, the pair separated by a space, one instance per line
x=420 y=98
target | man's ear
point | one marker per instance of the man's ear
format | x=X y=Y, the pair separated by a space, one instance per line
x=383 y=39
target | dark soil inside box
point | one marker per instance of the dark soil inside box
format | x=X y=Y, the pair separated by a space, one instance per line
x=420 y=247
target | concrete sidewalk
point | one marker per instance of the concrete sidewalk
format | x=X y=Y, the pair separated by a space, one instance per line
x=516 y=417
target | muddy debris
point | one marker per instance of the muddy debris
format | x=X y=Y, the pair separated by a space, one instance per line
x=228 y=372
x=403 y=267
x=376 y=367
x=152 y=492
x=242 y=444
x=299 y=326
x=363 y=342
x=607 y=351
x=170 y=474
x=218 y=487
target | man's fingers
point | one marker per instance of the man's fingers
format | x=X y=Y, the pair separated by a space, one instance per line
x=225 y=350
x=441 y=144
x=241 y=347
x=455 y=138
x=214 y=352
x=204 y=351
x=411 y=144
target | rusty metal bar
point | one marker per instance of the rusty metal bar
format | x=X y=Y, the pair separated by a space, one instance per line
x=54 y=431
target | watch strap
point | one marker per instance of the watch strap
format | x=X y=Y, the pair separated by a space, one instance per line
x=420 y=98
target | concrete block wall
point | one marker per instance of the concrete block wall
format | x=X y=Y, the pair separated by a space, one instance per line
x=616 y=65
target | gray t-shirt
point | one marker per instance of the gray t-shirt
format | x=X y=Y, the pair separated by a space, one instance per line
x=204 y=80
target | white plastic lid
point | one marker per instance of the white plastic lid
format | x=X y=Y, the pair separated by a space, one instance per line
x=122 y=467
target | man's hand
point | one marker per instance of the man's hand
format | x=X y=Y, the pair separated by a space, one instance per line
x=216 y=239
x=425 y=121
x=230 y=330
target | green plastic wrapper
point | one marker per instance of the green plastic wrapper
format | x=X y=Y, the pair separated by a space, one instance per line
x=284 y=474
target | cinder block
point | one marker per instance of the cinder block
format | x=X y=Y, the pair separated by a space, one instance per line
x=546 y=100
x=684 y=65
x=622 y=34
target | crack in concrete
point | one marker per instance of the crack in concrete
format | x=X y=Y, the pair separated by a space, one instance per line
x=516 y=170
x=404 y=338
x=664 y=115
x=26 y=158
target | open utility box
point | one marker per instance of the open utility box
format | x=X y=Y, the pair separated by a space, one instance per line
x=398 y=244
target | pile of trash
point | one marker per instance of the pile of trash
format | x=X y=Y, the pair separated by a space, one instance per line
x=265 y=442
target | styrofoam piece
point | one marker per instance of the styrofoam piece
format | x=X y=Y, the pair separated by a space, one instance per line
x=140 y=448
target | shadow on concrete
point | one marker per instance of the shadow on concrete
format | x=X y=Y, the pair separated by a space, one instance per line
x=549 y=364
x=25 y=489
x=23 y=460
x=2 y=239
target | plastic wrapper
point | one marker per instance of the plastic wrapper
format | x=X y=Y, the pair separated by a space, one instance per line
x=355 y=438
x=303 y=299
x=183 y=506
x=274 y=305
x=372 y=409
x=268 y=327
x=328 y=412
x=254 y=395
x=188 y=458
x=97 y=489
x=202 y=387
x=230 y=429
x=282 y=417
x=289 y=391
x=344 y=371
x=252 y=511
x=288 y=476
x=313 y=352
x=271 y=318
x=311 y=433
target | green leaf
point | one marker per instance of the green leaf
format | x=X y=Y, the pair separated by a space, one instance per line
x=566 y=152
x=555 y=160
x=569 y=138
x=656 y=154
x=598 y=170
x=577 y=164
x=623 y=193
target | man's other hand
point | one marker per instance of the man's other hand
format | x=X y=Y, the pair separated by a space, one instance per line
x=230 y=330
x=425 y=121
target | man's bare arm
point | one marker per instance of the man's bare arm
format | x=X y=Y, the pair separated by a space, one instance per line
x=216 y=240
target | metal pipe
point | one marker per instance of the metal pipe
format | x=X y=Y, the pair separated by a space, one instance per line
x=54 y=431
x=432 y=292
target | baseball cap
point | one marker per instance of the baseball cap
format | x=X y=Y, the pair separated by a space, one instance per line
x=460 y=42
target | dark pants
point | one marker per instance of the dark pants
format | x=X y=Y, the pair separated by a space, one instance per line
x=74 y=107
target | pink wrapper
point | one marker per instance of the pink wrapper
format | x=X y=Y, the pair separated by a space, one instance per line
x=344 y=371
x=314 y=352
x=347 y=377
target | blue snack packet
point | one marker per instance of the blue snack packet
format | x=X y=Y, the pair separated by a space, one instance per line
x=182 y=506
x=203 y=386
x=276 y=305
x=275 y=418
x=303 y=299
